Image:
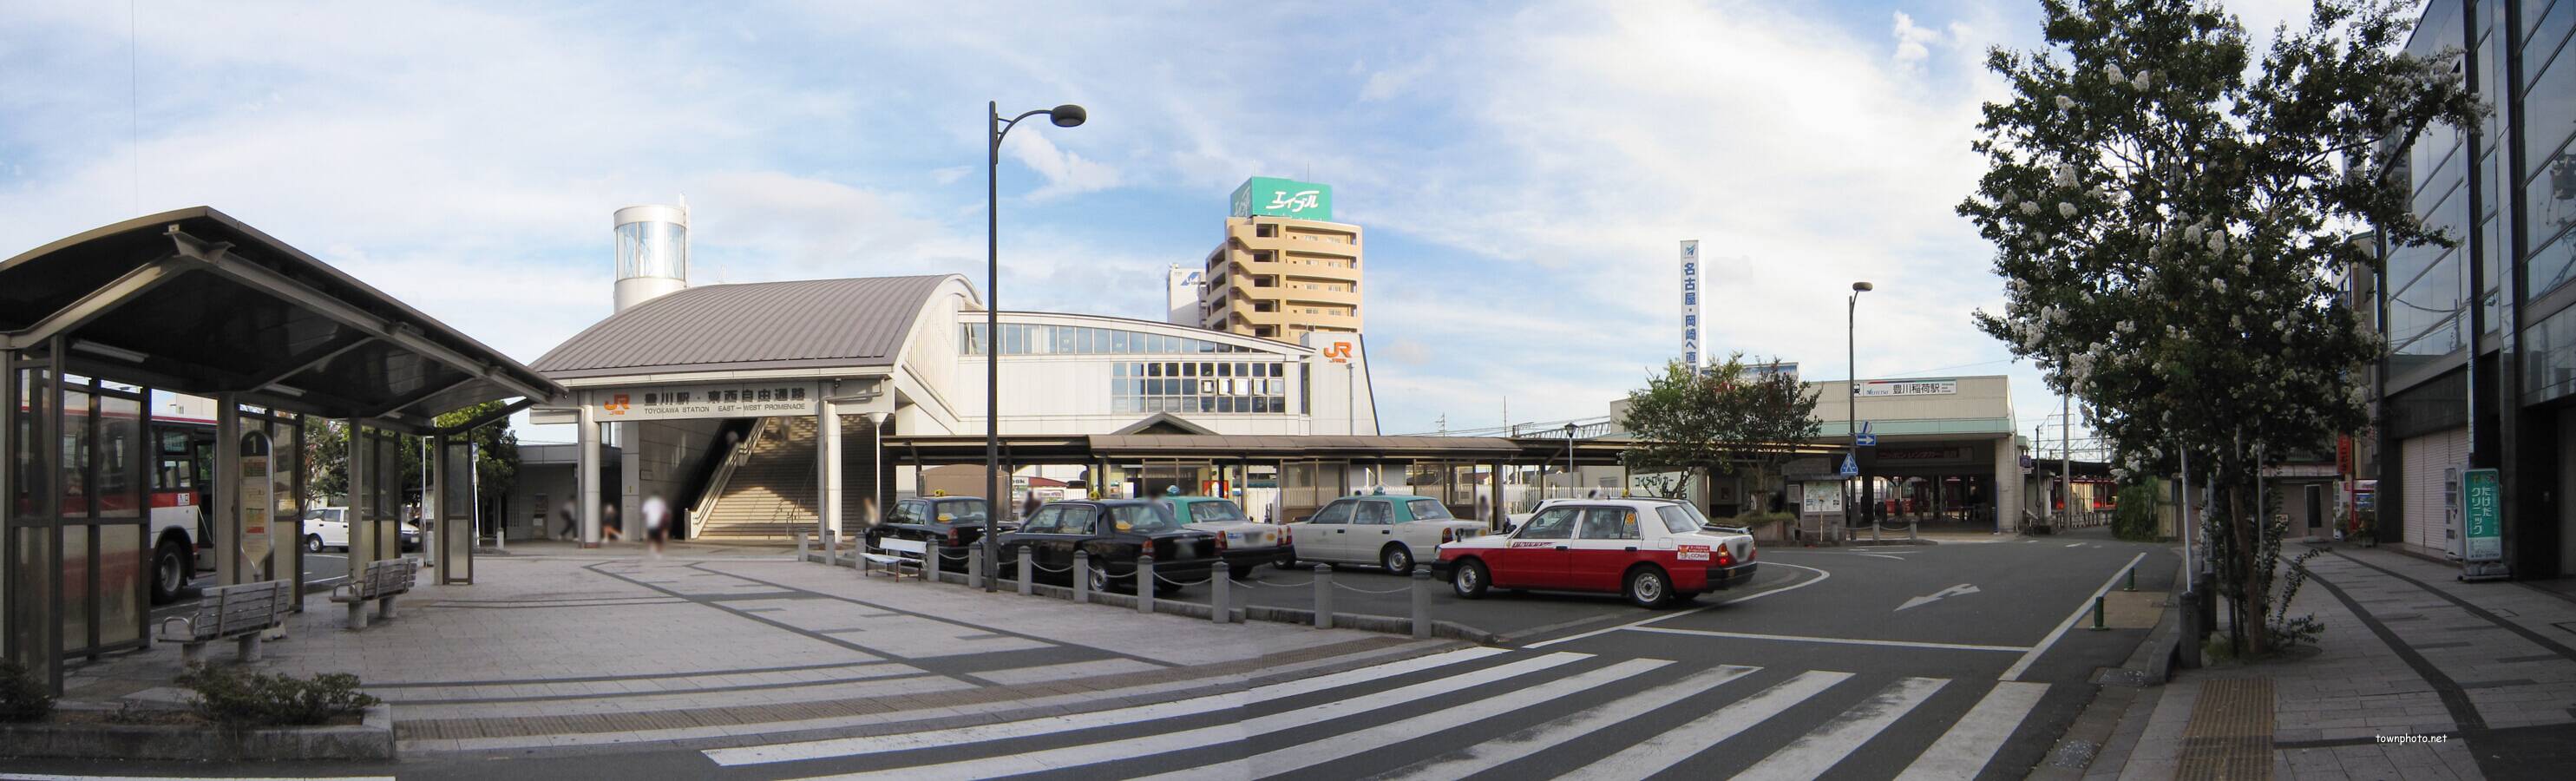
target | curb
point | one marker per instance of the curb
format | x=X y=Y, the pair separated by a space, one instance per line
x=371 y=738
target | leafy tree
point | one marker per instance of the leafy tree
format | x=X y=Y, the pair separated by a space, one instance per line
x=1712 y=420
x=326 y=456
x=2171 y=233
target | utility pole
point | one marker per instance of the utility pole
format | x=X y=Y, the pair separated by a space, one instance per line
x=2066 y=454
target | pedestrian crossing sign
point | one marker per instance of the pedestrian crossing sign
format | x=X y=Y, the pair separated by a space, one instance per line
x=1851 y=468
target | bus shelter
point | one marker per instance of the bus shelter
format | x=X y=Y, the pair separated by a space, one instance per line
x=195 y=302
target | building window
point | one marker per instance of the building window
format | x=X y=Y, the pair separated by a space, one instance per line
x=1266 y=231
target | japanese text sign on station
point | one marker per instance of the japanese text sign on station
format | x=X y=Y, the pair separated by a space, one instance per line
x=2484 y=522
x=1690 y=304
x=700 y=401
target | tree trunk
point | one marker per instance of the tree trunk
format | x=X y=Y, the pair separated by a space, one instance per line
x=2245 y=560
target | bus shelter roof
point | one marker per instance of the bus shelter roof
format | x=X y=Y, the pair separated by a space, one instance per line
x=194 y=301
x=1084 y=448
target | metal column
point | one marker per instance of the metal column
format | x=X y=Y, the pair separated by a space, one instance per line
x=228 y=478
x=827 y=423
x=586 y=467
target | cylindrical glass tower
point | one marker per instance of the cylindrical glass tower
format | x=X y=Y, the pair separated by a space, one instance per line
x=652 y=253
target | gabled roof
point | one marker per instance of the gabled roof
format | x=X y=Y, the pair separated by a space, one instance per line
x=1163 y=423
x=768 y=325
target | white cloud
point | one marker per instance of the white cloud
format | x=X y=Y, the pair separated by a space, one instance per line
x=1913 y=44
x=1066 y=173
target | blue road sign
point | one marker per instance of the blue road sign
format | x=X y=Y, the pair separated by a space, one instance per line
x=1851 y=468
x=1865 y=440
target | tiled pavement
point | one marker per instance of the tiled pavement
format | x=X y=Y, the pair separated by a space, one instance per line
x=592 y=652
x=2408 y=651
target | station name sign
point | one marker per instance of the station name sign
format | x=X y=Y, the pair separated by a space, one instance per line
x=1909 y=387
x=744 y=400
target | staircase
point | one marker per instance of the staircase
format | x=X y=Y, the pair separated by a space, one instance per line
x=772 y=495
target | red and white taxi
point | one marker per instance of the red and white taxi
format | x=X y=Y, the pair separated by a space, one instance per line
x=1656 y=552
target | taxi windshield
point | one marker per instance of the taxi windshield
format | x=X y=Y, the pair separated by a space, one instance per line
x=1214 y=512
x=1429 y=510
x=1681 y=518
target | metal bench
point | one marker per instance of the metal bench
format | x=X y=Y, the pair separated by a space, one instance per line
x=382 y=581
x=891 y=560
x=238 y=613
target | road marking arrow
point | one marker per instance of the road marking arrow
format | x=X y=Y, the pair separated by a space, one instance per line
x=1962 y=589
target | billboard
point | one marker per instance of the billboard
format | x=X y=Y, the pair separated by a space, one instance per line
x=1690 y=303
x=1274 y=197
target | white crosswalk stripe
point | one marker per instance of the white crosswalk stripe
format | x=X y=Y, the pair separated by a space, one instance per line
x=1809 y=756
x=1307 y=755
x=1133 y=747
x=1642 y=718
x=1972 y=741
x=1493 y=753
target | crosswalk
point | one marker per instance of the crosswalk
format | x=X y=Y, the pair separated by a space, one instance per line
x=1503 y=713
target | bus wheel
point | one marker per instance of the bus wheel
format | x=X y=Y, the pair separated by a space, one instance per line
x=169 y=570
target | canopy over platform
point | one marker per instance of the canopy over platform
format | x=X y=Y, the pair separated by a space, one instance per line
x=1076 y=449
x=193 y=301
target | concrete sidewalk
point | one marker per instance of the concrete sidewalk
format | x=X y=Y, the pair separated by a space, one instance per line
x=2417 y=676
x=574 y=650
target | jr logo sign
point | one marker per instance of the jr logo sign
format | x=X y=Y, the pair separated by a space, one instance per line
x=1339 y=352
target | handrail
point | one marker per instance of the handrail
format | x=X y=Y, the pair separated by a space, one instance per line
x=724 y=474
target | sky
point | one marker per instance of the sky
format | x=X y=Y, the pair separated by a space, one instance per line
x=1524 y=173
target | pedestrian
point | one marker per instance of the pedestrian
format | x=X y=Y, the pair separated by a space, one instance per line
x=571 y=521
x=1029 y=506
x=657 y=516
x=608 y=527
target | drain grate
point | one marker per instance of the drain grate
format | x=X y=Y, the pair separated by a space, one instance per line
x=2229 y=737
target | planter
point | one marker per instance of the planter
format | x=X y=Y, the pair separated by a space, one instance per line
x=371 y=738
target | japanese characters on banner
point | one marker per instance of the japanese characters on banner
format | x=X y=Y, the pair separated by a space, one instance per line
x=749 y=399
x=1690 y=303
x=1909 y=387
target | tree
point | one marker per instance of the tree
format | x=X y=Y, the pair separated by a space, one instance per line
x=326 y=456
x=497 y=461
x=2171 y=234
x=1710 y=421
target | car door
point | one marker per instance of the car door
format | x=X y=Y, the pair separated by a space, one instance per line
x=334 y=528
x=1372 y=527
x=1606 y=541
x=1537 y=554
x=1043 y=537
x=1326 y=537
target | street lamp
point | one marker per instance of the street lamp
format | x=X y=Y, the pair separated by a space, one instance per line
x=1851 y=400
x=1569 y=461
x=997 y=496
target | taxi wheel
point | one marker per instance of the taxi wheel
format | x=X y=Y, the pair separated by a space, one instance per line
x=1396 y=559
x=1101 y=581
x=1470 y=579
x=1648 y=587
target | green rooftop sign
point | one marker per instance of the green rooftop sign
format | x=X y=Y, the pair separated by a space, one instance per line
x=1274 y=197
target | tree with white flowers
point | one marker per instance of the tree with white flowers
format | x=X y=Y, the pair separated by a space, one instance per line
x=2172 y=233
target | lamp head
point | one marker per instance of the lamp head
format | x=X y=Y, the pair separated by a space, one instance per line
x=1863 y=287
x=1067 y=115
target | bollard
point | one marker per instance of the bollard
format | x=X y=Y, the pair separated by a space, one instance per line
x=501 y=540
x=2097 y=615
x=800 y=546
x=1914 y=530
x=1081 y=576
x=1422 y=603
x=1026 y=587
x=1873 y=533
x=1323 y=596
x=1145 y=584
x=1220 y=609
x=930 y=562
x=832 y=549
x=974 y=569
x=2133 y=580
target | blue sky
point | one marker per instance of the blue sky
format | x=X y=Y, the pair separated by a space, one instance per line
x=1524 y=173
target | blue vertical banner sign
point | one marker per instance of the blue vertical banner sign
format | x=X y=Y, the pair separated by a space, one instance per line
x=1690 y=304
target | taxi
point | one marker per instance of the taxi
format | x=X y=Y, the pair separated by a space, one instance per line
x=1655 y=552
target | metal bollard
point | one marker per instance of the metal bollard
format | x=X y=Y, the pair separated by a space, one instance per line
x=930 y=562
x=1914 y=530
x=2133 y=580
x=2097 y=614
x=1145 y=584
x=1323 y=596
x=800 y=546
x=1421 y=603
x=1026 y=586
x=832 y=549
x=1081 y=576
x=501 y=540
x=1220 y=602
x=974 y=569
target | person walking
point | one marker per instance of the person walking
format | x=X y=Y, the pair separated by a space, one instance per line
x=608 y=528
x=657 y=523
x=571 y=521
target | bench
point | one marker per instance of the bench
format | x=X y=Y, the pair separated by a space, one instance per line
x=920 y=551
x=238 y=613
x=382 y=581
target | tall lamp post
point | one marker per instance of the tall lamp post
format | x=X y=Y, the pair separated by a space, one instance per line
x=1851 y=399
x=1570 y=476
x=997 y=496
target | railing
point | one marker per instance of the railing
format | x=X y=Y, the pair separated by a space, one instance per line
x=724 y=474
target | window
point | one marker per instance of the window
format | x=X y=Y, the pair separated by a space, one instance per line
x=1373 y=513
x=1554 y=523
x=1142 y=518
x=910 y=511
x=1428 y=510
x=1609 y=523
x=1045 y=521
x=1335 y=513
x=968 y=511
x=1680 y=518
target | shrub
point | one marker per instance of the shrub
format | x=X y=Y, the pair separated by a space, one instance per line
x=23 y=697
x=2140 y=504
x=240 y=698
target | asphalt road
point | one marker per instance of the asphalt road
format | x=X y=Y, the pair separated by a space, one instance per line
x=321 y=571
x=1864 y=662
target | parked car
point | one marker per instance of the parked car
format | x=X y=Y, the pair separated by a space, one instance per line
x=1240 y=541
x=1388 y=531
x=1115 y=533
x=328 y=527
x=1656 y=552
x=953 y=521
